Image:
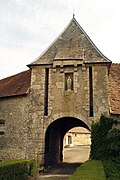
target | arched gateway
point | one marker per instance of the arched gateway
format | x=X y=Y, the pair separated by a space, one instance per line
x=66 y=87
x=54 y=138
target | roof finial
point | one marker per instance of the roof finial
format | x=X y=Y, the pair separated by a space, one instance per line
x=73 y=14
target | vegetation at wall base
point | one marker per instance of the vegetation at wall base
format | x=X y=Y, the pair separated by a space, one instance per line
x=112 y=169
x=113 y=138
x=99 y=133
x=18 y=169
x=112 y=164
x=106 y=146
x=90 y=170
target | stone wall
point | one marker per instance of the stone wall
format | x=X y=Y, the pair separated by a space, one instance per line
x=36 y=135
x=13 y=142
x=62 y=103
x=100 y=90
x=25 y=122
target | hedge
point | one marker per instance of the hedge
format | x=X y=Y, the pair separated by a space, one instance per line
x=18 y=169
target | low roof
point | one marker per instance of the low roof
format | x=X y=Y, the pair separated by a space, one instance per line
x=20 y=85
x=80 y=130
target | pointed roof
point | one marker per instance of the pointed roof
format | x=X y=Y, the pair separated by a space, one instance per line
x=72 y=43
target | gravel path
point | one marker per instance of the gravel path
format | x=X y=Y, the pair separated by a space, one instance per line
x=73 y=157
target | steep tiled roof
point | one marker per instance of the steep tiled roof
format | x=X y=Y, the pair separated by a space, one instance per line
x=72 y=43
x=114 y=88
x=18 y=84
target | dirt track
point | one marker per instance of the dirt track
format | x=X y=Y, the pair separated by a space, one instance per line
x=73 y=157
x=59 y=172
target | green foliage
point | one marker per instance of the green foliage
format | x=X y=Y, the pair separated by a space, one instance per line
x=113 y=138
x=17 y=169
x=112 y=165
x=98 y=138
x=106 y=146
x=90 y=170
x=34 y=167
x=112 y=170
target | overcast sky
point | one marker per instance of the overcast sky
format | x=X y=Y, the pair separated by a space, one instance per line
x=28 y=27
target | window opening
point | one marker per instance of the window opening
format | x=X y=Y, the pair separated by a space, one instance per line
x=91 y=91
x=2 y=126
x=46 y=92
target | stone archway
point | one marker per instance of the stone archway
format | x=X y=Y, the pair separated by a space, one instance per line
x=54 y=138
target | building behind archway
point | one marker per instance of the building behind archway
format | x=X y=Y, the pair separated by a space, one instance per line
x=77 y=136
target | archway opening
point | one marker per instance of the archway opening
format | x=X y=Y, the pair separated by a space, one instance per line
x=76 y=145
x=55 y=136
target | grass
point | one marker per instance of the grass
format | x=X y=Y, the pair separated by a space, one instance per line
x=90 y=170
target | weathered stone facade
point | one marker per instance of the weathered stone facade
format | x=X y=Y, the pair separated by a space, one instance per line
x=14 y=110
x=37 y=122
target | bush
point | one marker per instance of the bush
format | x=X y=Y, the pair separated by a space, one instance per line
x=98 y=137
x=106 y=146
x=17 y=169
x=113 y=138
x=112 y=165
x=90 y=170
x=112 y=170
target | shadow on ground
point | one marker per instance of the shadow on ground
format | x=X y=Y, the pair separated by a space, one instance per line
x=59 y=172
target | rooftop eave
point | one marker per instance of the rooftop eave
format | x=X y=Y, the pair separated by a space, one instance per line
x=40 y=64
x=14 y=95
x=99 y=62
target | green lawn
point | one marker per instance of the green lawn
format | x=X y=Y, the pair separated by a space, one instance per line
x=90 y=170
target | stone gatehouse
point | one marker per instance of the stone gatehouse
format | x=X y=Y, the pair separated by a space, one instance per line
x=70 y=85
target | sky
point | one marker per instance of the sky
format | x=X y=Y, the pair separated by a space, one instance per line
x=28 y=27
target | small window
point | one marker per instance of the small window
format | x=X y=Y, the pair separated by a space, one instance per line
x=2 y=126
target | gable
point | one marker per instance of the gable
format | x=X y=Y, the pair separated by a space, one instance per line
x=73 y=43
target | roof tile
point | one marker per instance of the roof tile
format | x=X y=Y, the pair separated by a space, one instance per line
x=18 y=84
x=114 y=88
